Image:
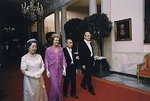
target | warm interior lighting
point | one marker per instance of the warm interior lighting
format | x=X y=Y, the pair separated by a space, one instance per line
x=33 y=11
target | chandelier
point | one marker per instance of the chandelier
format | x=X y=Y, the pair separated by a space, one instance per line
x=33 y=11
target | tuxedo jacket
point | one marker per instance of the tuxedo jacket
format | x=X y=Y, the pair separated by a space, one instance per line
x=84 y=53
x=68 y=58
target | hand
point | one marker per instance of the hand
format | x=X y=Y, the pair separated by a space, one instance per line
x=36 y=75
x=47 y=73
x=27 y=73
x=83 y=67
x=93 y=63
x=77 y=57
x=64 y=71
x=33 y=75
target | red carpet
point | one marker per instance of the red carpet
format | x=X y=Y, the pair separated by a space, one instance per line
x=109 y=91
x=11 y=86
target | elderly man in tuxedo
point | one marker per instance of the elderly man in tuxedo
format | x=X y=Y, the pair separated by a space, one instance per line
x=86 y=59
x=70 y=70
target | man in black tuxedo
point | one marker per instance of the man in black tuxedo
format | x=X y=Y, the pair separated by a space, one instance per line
x=70 y=70
x=86 y=59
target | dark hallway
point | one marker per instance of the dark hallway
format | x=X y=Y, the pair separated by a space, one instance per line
x=10 y=78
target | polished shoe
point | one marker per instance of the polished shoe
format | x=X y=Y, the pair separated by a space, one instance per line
x=84 y=87
x=92 y=92
x=75 y=96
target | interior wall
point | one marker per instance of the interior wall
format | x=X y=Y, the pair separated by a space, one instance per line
x=49 y=25
x=49 y=21
x=127 y=54
x=71 y=14
x=34 y=27
x=119 y=11
x=55 y=4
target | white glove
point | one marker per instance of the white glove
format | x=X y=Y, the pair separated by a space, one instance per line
x=77 y=57
x=29 y=74
x=47 y=73
x=33 y=75
x=99 y=57
x=36 y=75
x=64 y=71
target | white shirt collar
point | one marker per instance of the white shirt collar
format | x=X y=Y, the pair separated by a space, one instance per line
x=89 y=46
x=87 y=41
x=69 y=49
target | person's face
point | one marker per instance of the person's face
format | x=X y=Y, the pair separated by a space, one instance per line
x=69 y=43
x=122 y=26
x=33 y=48
x=87 y=36
x=56 y=41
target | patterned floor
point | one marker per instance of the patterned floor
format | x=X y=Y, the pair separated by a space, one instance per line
x=130 y=81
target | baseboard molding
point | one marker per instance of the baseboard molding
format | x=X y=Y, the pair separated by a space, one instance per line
x=124 y=74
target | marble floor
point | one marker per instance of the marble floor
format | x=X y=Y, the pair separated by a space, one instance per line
x=130 y=81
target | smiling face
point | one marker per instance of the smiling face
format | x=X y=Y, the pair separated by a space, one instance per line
x=56 y=41
x=87 y=36
x=32 y=48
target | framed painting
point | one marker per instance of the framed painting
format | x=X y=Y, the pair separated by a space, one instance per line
x=123 y=30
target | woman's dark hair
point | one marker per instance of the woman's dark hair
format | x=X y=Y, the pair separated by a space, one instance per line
x=48 y=36
x=29 y=42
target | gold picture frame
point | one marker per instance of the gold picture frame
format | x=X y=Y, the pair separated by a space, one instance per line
x=123 y=31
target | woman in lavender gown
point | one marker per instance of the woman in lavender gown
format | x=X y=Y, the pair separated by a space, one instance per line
x=55 y=62
x=32 y=66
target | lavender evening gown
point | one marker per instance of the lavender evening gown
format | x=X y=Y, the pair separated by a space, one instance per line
x=54 y=62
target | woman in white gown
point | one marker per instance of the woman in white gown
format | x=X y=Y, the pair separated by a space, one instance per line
x=32 y=66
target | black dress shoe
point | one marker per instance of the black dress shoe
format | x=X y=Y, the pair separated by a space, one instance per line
x=92 y=92
x=75 y=96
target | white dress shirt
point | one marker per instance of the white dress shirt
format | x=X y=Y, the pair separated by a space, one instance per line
x=89 y=46
x=70 y=54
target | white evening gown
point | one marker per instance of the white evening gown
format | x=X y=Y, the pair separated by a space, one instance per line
x=34 y=89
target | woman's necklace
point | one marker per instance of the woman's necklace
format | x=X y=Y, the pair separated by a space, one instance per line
x=31 y=55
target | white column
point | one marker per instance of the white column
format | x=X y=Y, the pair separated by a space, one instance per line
x=63 y=21
x=57 y=23
x=93 y=10
x=92 y=7
x=106 y=7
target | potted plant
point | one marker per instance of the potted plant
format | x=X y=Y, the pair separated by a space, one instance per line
x=73 y=30
x=100 y=28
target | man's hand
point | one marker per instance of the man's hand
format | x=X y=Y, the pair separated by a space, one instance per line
x=83 y=67
x=64 y=71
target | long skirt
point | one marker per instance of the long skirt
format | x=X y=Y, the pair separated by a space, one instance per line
x=34 y=89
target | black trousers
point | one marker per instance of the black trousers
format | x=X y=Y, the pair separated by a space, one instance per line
x=70 y=77
x=86 y=81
